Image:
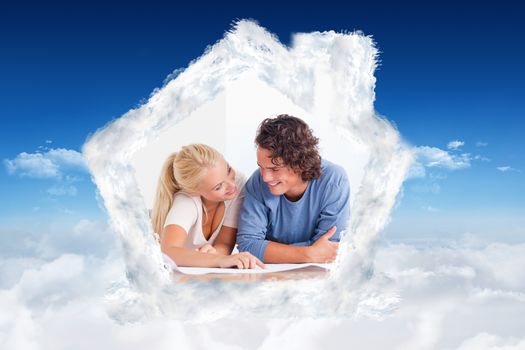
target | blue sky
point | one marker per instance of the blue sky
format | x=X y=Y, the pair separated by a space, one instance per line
x=448 y=273
x=448 y=72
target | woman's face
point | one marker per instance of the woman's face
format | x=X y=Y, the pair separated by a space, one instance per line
x=218 y=184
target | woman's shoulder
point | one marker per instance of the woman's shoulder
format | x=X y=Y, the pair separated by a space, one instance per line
x=183 y=199
x=185 y=211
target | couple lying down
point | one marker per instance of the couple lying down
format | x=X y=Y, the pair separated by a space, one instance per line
x=291 y=210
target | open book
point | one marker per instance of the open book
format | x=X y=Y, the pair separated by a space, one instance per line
x=170 y=265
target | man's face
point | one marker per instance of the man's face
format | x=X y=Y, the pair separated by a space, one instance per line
x=281 y=179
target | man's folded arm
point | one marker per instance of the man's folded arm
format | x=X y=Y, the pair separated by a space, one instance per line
x=335 y=211
x=251 y=237
x=279 y=253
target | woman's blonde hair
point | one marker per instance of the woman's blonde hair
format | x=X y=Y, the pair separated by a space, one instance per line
x=182 y=171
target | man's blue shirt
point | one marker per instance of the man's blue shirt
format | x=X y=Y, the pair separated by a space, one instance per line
x=266 y=217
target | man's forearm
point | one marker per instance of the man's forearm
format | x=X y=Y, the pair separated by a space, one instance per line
x=278 y=253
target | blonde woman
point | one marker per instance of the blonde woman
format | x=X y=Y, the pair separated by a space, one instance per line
x=197 y=208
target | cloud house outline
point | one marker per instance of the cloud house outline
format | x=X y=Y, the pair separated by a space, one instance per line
x=324 y=73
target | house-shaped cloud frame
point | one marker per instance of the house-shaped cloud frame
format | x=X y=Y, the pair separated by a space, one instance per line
x=328 y=74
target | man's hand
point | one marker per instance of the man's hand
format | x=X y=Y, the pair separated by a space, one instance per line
x=323 y=250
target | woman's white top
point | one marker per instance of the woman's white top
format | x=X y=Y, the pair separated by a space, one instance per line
x=186 y=211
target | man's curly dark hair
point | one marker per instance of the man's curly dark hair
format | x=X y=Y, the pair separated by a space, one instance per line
x=291 y=139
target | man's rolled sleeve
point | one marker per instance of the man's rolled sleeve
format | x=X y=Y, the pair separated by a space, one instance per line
x=302 y=244
x=254 y=247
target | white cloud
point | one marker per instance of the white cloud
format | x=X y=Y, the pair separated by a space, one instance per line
x=32 y=165
x=86 y=237
x=482 y=158
x=434 y=157
x=62 y=190
x=432 y=187
x=50 y=164
x=486 y=341
x=431 y=209
x=417 y=170
x=455 y=145
x=67 y=157
x=455 y=297
x=481 y=144
x=506 y=168
x=50 y=282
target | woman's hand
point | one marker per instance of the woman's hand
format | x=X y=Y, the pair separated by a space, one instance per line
x=207 y=248
x=242 y=260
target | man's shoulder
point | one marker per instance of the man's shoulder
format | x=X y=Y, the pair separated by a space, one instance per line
x=256 y=189
x=254 y=179
x=254 y=184
x=332 y=173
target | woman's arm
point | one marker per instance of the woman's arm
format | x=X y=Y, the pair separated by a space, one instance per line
x=225 y=241
x=172 y=244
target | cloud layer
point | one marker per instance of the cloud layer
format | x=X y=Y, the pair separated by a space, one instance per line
x=455 y=296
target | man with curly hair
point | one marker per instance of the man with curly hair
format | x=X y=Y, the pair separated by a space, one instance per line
x=296 y=204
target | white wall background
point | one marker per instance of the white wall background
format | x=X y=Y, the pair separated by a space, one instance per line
x=229 y=124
